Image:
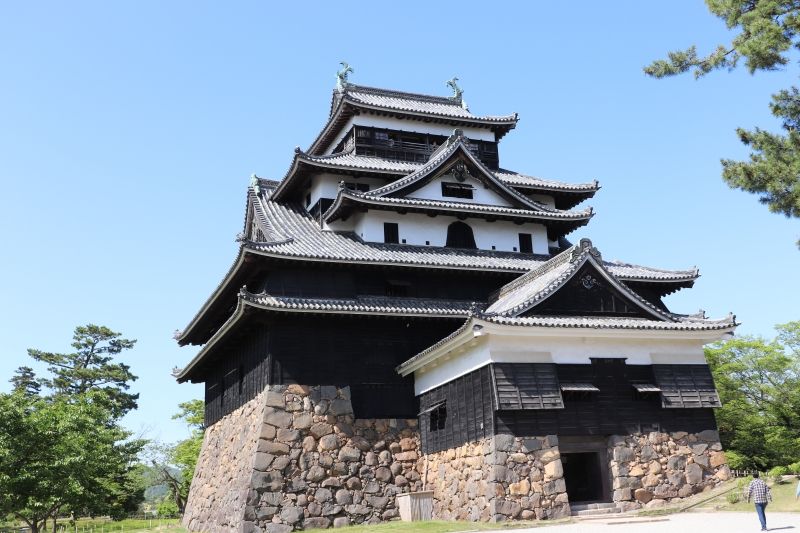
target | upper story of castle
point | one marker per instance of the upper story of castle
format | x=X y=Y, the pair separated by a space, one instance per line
x=404 y=168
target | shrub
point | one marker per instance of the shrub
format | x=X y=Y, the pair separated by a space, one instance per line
x=777 y=473
x=743 y=482
x=737 y=461
x=794 y=468
x=733 y=497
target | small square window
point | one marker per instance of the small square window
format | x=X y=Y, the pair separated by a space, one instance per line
x=526 y=243
x=391 y=233
x=457 y=190
x=438 y=418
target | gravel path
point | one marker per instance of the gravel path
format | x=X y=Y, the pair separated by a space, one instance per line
x=721 y=522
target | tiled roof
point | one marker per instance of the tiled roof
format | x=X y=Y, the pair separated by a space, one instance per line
x=479 y=320
x=350 y=160
x=415 y=103
x=456 y=146
x=542 y=213
x=516 y=179
x=374 y=305
x=686 y=324
x=291 y=232
x=368 y=305
x=527 y=291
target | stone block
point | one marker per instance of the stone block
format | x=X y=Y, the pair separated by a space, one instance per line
x=279 y=419
x=328 y=442
x=267 y=481
x=504 y=442
x=377 y=502
x=341 y=521
x=317 y=522
x=694 y=474
x=274 y=399
x=648 y=453
x=676 y=462
x=553 y=470
x=321 y=429
x=717 y=459
x=643 y=495
x=267 y=432
x=383 y=474
x=322 y=495
x=262 y=461
x=531 y=445
x=302 y=420
x=624 y=455
x=521 y=488
x=622 y=494
x=340 y=407
x=278 y=528
x=349 y=454
x=702 y=460
x=327 y=392
x=698 y=449
x=343 y=497
x=315 y=473
x=551 y=441
x=288 y=435
x=406 y=456
x=549 y=455
x=248 y=527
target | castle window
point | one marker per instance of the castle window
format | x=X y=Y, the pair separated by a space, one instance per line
x=391 y=233
x=526 y=243
x=457 y=190
x=397 y=289
x=438 y=417
x=361 y=187
x=459 y=235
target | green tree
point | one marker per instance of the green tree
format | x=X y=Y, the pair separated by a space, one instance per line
x=767 y=31
x=62 y=454
x=25 y=381
x=174 y=465
x=90 y=368
x=759 y=385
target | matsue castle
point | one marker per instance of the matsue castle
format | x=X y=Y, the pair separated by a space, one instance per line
x=407 y=320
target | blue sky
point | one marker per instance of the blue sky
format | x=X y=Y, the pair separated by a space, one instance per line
x=128 y=132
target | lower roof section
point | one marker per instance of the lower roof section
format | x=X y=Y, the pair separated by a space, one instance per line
x=483 y=339
x=372 y=306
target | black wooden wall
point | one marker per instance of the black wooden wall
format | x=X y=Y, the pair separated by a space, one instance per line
x=468 y=411
x=239 y=374
x=613 y=410
x=357 y=351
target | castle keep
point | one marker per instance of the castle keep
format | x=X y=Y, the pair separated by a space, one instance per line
x=406 y=315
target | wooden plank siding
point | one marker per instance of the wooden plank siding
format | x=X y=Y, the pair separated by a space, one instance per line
x=615 y=409
x=244 y=372
x=357 y=351
x=686 y=386
x=468 y=401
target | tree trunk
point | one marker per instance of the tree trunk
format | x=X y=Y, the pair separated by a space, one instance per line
x=55 y=520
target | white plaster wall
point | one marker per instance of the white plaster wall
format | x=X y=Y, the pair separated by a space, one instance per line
x=418 y=228
x=417 y=126
x=326 y=185
x=480 y=193
x=636 y=348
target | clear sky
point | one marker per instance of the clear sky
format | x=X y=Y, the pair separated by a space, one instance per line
x=128 y=132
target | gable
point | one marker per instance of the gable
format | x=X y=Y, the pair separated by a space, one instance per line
x=588 y=293
x=449 y=186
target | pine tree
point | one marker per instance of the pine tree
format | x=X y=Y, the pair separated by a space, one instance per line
x=767 y=32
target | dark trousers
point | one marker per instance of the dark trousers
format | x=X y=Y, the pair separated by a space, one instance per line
x=760 y=507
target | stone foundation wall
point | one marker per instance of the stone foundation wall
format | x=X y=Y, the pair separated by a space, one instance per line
x=651 y=470
x=461 y=481
x=499 y=478
x=529 y=478
x=295 y=458
x=221 y=484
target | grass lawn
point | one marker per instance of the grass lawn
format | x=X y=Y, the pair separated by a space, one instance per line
x=438 y=526
x=782 y=500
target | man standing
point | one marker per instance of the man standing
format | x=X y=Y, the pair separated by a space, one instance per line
x=760 y=493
